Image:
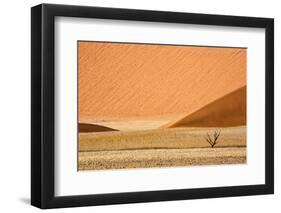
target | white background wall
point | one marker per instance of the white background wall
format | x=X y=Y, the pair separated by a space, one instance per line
x=15 y=105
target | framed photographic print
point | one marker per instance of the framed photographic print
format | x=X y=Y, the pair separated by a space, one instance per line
x=136 y=106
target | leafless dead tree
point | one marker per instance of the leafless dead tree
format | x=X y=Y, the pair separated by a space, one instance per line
x=213 y=140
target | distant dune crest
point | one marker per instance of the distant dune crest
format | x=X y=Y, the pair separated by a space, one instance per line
x=85 y=127
x=229 y=110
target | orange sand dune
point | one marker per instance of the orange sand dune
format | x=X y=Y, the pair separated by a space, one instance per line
x=229 y=110
x=85 y=127
x=128 y=80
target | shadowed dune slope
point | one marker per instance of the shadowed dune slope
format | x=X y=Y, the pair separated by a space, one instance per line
x=84 y=127
x=136 y=80
x=230 y=110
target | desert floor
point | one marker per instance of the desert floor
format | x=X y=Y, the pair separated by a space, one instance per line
x=183 y=146
x=145 y=158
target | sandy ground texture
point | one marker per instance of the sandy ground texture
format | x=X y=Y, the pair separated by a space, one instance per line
x=132 y=123
x=100 y=160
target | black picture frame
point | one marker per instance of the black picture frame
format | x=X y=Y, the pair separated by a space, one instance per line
x=43 y=111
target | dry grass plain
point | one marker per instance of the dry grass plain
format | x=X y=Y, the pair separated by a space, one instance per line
x=183 y=146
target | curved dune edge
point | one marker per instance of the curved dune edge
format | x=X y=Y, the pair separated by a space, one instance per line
x=86 y=127
x=230 y=110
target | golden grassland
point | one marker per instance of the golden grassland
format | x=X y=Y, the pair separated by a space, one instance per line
x=160 y=138
x=160 y=148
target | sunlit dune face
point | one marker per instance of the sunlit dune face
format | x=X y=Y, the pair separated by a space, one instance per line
x=133 y=80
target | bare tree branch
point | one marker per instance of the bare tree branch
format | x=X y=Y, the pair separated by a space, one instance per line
x=213 y=140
